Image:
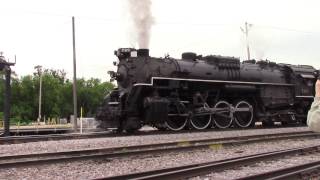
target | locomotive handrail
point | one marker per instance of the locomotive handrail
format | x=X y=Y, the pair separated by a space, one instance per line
x=304 y=96
x=113 y=103
x=205 y=80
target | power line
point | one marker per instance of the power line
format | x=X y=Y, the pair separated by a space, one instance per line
x=66 y=15
x=285 y=29
x=167 y=23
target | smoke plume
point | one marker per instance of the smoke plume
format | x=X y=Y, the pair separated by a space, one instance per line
x=259 y=44
x=142 y=19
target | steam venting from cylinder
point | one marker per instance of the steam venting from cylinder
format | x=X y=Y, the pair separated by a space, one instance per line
x=141 y=15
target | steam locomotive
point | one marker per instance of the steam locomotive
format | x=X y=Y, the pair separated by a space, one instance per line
x=199 y=92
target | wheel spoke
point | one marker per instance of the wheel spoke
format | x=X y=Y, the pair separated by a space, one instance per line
x=177 y=117
x=201 y=118
x=222 y=118
x=243 y=109
x=243 y=115
x=223 y=115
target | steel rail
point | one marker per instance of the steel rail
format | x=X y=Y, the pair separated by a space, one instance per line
x=53 y=137
x=209 y=167
x=38 y=131
x=303 y=171
x=216 y=143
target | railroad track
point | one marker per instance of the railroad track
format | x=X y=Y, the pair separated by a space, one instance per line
x=54 y=137
x=36 y=131
x=303 y=171
x=201 y=169
x=116 y=152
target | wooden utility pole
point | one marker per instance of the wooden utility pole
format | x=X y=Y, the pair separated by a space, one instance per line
x=246 y=31
x=74 y=77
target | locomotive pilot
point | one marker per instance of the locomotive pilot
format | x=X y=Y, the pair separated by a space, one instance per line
x=313 y=120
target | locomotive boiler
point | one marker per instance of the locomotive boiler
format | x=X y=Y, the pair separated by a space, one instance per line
x=199 y=92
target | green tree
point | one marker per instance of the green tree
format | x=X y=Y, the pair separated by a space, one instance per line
x=91 y=94
x=24 y=98
x=57 y=99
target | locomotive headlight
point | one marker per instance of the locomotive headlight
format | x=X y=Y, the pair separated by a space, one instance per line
x=133 y=54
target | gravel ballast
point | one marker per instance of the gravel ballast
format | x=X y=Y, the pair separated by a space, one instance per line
x=261 y=167
x=108 y=142
x=110 y=167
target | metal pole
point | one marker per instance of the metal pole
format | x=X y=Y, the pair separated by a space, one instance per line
x=40 y=96
x=74 y=78
x=7 y=97
x=247 y=40
x=81 y=120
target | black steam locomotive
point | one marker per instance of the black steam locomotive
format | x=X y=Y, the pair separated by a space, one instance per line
x=202 y=92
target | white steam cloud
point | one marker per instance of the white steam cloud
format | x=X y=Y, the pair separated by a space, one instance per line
x=259 y=45
x=142 y=21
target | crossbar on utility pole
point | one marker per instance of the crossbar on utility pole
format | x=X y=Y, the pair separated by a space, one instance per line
x=74 y=77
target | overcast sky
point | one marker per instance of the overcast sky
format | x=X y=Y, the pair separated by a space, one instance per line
x=39 y=31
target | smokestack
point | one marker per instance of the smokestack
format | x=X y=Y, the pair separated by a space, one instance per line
x=143 y=53
x=141 y=16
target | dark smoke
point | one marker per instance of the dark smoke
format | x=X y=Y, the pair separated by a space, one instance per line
x=141 y=15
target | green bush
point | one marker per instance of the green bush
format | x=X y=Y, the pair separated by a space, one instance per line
x=15 y=120
x=19 y=121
